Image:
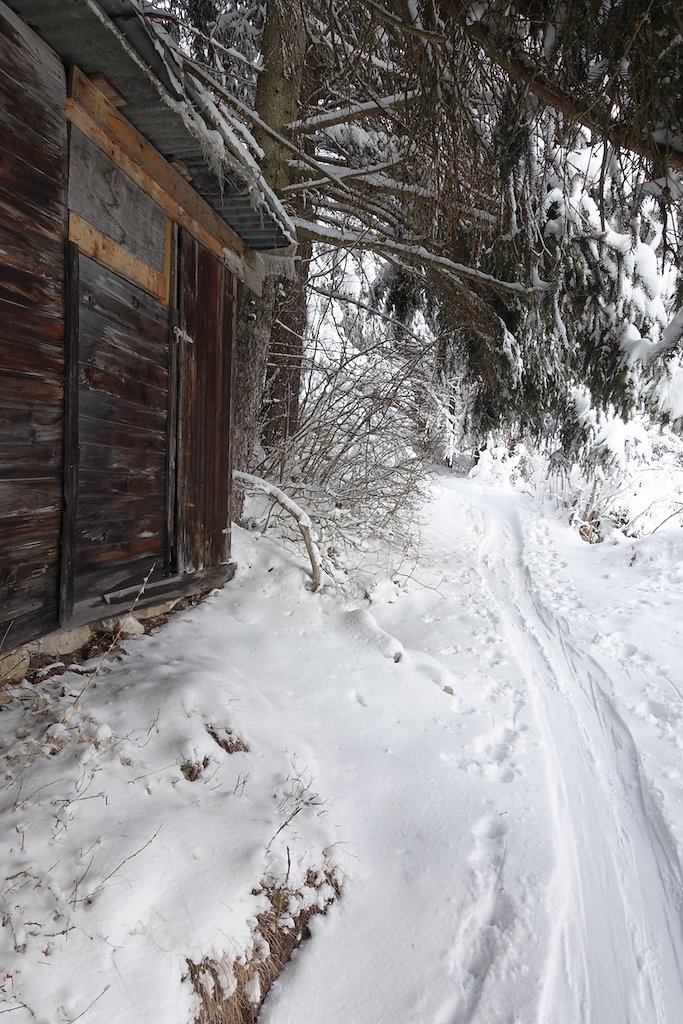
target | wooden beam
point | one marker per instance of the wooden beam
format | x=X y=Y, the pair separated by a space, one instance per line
x=94 y=115
x=102 y=83
x=68 y=535
x=169 y=261
x=104 y=250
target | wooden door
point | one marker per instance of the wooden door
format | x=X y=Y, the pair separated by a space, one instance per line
x=205 y=342
x=120 y=529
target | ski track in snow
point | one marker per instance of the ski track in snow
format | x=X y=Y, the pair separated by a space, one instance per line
x=561 y=884
x=616 y=950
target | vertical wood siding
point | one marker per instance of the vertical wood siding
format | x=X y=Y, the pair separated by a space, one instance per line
x=204 y=408
x=32 y=234
x=123 y=367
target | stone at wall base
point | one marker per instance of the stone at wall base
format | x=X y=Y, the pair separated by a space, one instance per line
x=156 y=609
x=14 y=666
x=124 y=625
x=65 y=641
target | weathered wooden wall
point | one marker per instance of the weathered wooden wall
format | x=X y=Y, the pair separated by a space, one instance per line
x=32 y=235
x=114 y=434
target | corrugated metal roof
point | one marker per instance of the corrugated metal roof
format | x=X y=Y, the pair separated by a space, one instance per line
x=113 y=38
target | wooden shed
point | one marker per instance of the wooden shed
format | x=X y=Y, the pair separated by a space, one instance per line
x=128 y=211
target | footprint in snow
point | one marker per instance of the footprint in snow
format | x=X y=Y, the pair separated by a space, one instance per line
x=492 y=755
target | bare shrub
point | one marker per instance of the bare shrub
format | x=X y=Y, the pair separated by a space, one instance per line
x=228 y=741
x=233 y=992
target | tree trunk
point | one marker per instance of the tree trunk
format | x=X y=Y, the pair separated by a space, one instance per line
x=283 y=370
x=254 y=324
x=277 y=103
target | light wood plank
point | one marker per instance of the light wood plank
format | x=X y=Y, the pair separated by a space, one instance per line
x=104 y=250
x=102 y=83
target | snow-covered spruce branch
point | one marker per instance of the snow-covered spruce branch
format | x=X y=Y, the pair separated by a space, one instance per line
x=341 y=297
x=504 y=53
x=418 y=253
x=154 y=14
x=340 y=173
x=412 y=28
x=353 y=112
x=222 y=95
x=302 y=518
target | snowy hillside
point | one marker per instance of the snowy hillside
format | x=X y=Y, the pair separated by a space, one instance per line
x=477 y=773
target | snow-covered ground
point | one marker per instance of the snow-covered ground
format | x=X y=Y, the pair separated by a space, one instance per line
x=502 y=804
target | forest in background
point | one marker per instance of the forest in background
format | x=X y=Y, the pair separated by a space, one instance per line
x=488 y=204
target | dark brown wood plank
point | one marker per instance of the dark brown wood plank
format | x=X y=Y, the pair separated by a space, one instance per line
x=27 y=59
x=31 y=359
x=141 y=483
x=123 y=386
x=121 y=506
x=31 y=201
x=188 y=504
x=20 y=497
x=18 y=391
x=105 y=197
x=24 y=535
x=114 y=409
x=119 y=435
x=106 y=549
x=121 y=461
x=71 y=436
x=45 y=455
x=123 y=409
x=38 y=291
x=24 y=144
x=99 y=352
x=49 y=115
x=28 y=423
x=170 y=550
x=204 y=411
x=21 y=628
x=151 y=344
x=32 y=234
x=229 y=328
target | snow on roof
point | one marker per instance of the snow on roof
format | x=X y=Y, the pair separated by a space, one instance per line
x=173 y=111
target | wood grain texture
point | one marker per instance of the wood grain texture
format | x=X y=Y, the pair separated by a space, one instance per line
x=204 y=410
x=103 y=196
x=123 y=354
x=71 y=436
x=32 y=236
x=109 y=253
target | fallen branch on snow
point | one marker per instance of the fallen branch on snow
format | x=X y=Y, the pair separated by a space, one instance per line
x=302 y=518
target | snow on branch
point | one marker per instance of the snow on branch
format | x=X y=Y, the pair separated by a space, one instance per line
x=503 y=52
x=354 y=112
x=193 y=69
x=339 y=173
x=302 y=518
x=417 y=253
x=408 y=28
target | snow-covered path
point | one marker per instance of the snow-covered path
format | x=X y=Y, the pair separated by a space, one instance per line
x=563 y=898
x=616 y=950
x=505 y=801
